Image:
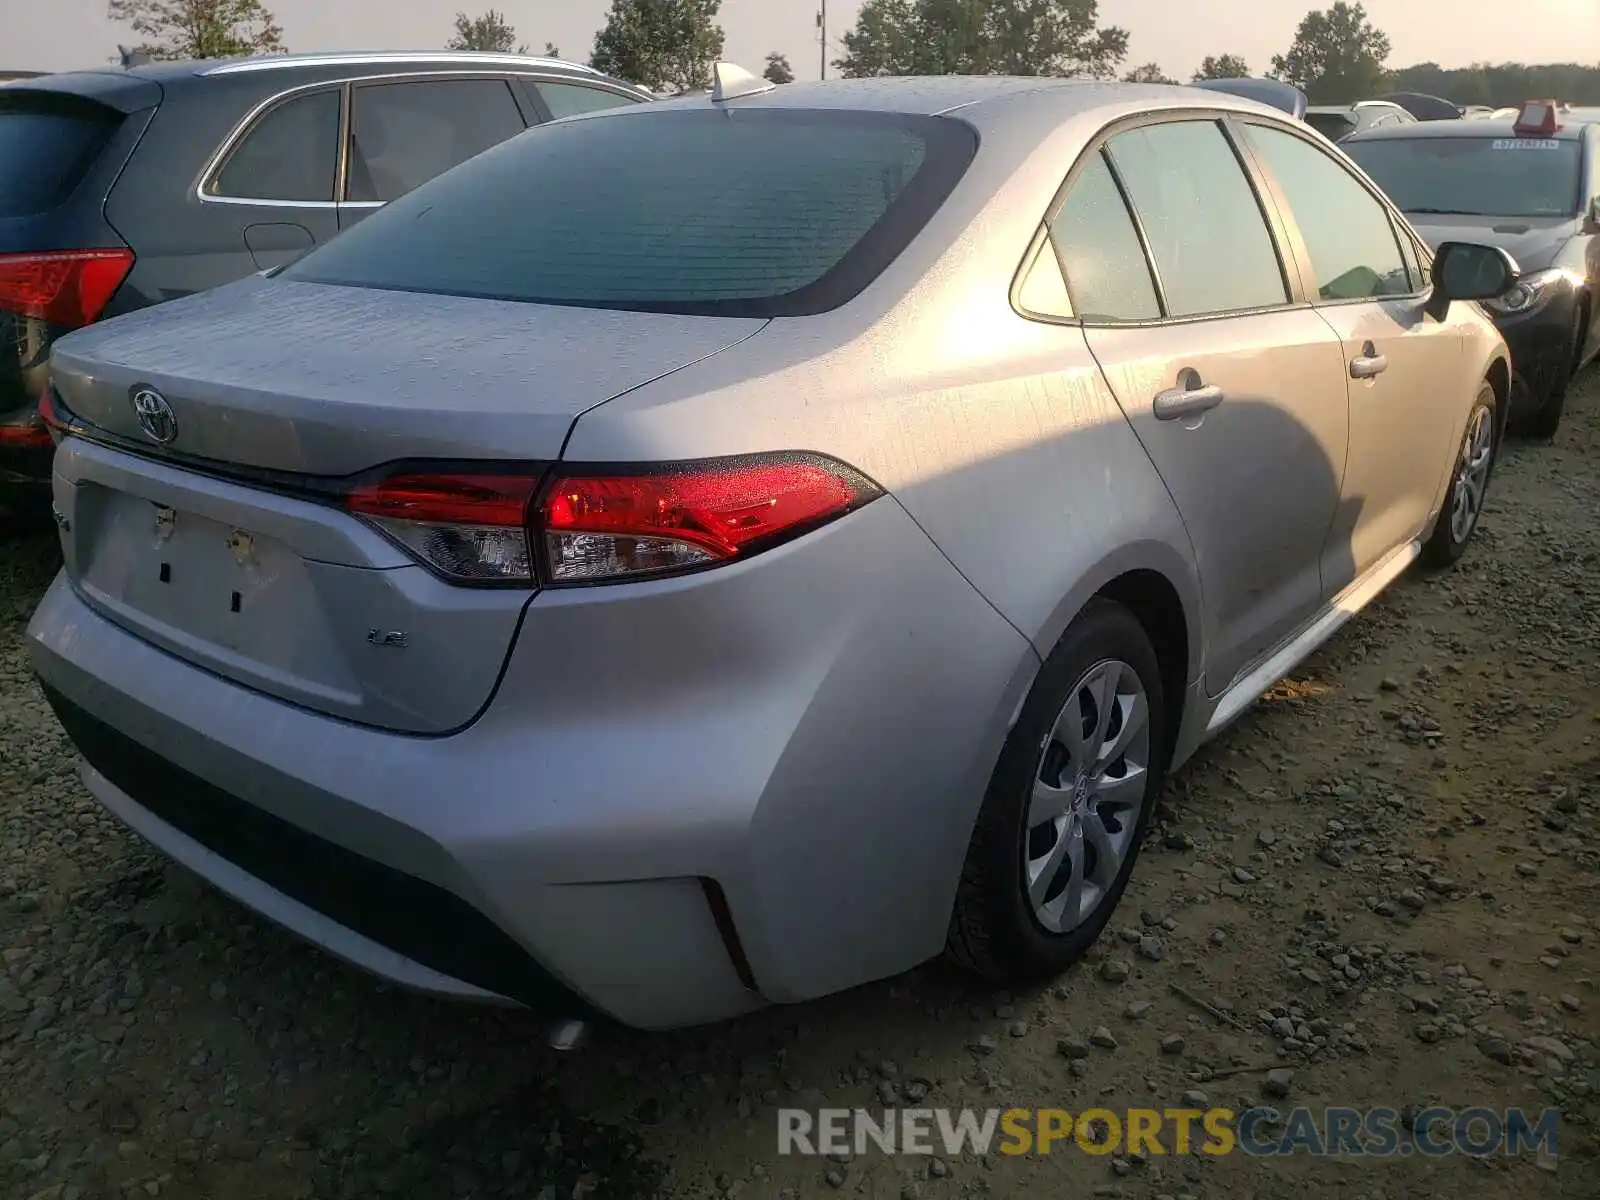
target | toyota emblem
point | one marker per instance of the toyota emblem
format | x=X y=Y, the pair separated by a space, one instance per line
x=155 y=415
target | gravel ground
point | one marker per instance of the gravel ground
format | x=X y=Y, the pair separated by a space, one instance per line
x=1383 y=882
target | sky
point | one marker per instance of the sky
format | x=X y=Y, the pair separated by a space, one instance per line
x=59 y=35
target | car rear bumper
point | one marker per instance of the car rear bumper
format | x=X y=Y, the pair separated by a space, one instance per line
x=789 y=819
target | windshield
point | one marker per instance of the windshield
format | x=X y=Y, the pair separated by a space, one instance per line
x=704 y=210
x=1477 y=176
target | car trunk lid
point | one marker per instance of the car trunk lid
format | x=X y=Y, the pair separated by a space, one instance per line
x=326 y=380
x=264 y=579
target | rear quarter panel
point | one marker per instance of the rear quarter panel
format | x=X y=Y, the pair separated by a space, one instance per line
x=996 y=433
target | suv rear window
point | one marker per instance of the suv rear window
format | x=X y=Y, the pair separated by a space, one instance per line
x=48 y=142
x=1332 y=126
x=735 y=213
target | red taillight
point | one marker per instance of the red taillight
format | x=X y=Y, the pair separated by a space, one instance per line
x=595 y=527
x=607 y=526
x=62 y=287
x=50 y=413
x=29 y=434
x=470 y=528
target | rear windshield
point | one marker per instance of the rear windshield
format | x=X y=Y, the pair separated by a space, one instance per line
x=1490 y=176
x=736 y=212
x=1332 y=126
x=47 y=144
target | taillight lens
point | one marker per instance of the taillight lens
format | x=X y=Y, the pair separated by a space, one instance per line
x=600 y=527
x=606 y=526
x=27 y=434
x=469 y=528
x=50 y=414
x=62 y=287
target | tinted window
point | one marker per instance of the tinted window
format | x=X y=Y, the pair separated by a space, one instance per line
x=1490 y=175
x=1352 y=244
x=46 y=147
x=289 y=154
x=569 y=99
x=1209 y=240
x=755 y=212
x=1100 y=252
x=1332 y=126
x=403 y=134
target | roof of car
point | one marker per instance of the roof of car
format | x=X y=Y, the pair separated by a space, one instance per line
x=932 y=95
x=1571 y=130
x=1350 y=108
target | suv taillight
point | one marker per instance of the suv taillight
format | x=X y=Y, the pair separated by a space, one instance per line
x=593 y=526
x=70 y=288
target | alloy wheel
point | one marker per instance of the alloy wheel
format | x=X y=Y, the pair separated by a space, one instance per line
x=1472 y=475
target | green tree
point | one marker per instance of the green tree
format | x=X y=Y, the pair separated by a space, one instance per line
x=1337 y=56
x=489 y=32
x=778 y=69
x=1148 y=73
x=185 y=29
x=1501 y=85
x=982 y=37
x=551 y=50
x=1222 y=66
x=664 y=45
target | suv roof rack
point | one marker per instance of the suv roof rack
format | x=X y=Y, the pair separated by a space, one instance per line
x=275 y=62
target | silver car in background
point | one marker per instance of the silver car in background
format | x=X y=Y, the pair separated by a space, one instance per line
x=715 y=553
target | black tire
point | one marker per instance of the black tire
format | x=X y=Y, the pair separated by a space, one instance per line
x=1444 y=545
x=993 y=929
x=1580 y=336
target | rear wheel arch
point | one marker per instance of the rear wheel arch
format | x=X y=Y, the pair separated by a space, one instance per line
x=1155 y=603
x=1499 y=377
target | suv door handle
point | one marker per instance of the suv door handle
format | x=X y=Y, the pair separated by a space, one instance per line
x=1175 y=403
x=1369 y=364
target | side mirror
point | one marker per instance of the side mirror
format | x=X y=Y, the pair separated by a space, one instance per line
x=1591 y=219
x=1468 y=271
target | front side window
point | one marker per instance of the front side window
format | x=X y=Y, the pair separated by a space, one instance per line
x=1479 y=175
x=291 y=153
x=403 y=134
x=570 y=99
x=1099 y=251
x=765 y=212
x=1208 y=237
x=1347 y=231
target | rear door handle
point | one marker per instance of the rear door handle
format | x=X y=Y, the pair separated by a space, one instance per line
x=1176 y=403
x=1369 y=364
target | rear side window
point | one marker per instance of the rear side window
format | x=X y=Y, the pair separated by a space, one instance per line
x=570 y=99
x=1100 y=253
x=47 y=145
x=738 y=213
x=1210 y=242
x=1347 y=232
x=291 y=153
x=403 y=134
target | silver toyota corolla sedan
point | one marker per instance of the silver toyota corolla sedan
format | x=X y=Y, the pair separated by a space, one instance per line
x=714 y=553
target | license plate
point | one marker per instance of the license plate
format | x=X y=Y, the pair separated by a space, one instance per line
x=207 y=578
